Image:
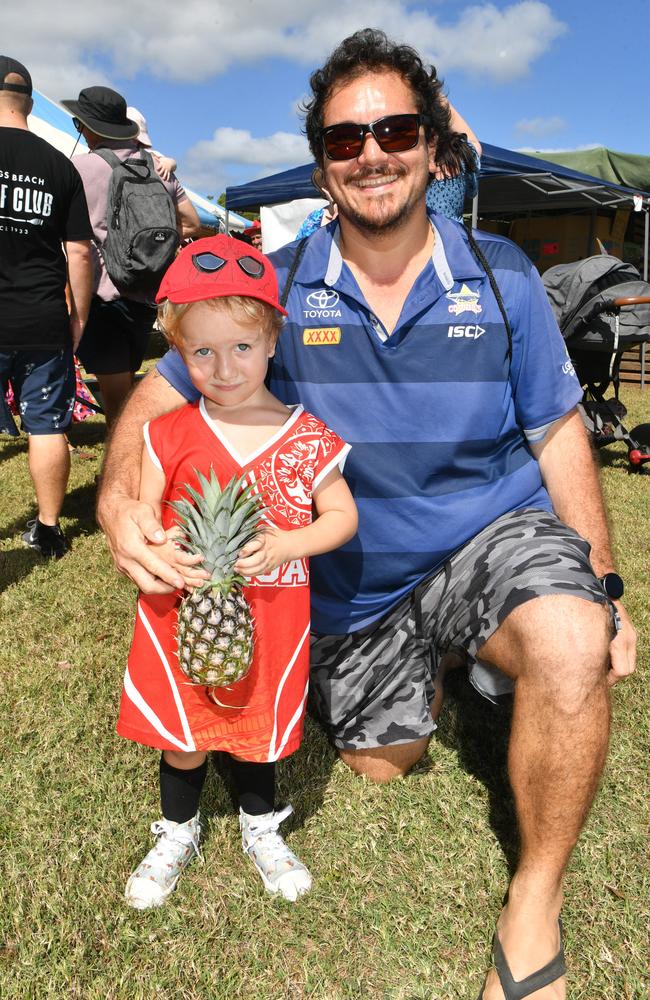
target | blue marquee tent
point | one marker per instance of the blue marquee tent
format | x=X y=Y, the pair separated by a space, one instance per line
x=510 y=182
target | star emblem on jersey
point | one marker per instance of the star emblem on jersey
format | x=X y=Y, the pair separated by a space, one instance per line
x=464 y=301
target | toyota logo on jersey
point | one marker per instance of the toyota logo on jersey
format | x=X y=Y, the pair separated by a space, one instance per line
x=322 y=304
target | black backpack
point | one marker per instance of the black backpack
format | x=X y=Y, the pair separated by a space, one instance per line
x=142 y=237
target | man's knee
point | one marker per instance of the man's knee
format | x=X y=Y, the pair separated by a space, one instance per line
x=559 y=641
x=383 y=764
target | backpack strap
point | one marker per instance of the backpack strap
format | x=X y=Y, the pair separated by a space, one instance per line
x=108 y=156
x=300 y=249
x=144 y=158
x=480 y=256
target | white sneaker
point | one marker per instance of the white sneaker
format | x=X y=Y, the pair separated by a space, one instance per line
x=157 y=874
x=279 y=867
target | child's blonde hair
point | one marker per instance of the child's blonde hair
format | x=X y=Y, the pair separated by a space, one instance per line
x=241 y=307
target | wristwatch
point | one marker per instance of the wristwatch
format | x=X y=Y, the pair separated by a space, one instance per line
x=613 y=586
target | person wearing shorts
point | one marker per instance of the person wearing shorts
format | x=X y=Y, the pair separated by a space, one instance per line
x=42 y=213
x=118 y=329
x=116 y=338
x=375 y=687
x=435 y=354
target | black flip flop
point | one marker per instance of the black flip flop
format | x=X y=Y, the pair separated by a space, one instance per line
x=519 y=989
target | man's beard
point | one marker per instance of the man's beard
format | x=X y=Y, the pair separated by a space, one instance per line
x=374 y=222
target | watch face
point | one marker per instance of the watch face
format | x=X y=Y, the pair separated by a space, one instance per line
x=613 y=585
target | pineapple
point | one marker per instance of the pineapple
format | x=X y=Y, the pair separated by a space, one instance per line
x=215 y=625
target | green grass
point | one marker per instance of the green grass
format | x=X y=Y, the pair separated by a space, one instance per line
x=408 y=877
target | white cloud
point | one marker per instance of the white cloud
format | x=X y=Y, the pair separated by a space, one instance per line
x=237 y=145
x=560 y=149
x=205 y=164
x=68 y=45
x=541 y=126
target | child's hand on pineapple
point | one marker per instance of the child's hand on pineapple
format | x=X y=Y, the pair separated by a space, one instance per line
x=173 y=553
x=268 y=550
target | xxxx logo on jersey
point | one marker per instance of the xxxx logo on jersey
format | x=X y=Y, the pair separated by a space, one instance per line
x=318 y=336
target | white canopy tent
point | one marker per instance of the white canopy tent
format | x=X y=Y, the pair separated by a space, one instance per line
x=54 y=124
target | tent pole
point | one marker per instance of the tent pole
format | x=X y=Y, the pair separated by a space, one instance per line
x=645 y=241
x=227 y=223
x=475 y=211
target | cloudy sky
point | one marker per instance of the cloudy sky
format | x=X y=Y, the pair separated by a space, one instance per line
x=220 y=81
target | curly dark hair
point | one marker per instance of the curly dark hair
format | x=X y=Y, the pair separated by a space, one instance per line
x=370 y=51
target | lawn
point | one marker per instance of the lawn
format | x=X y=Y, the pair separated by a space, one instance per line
x=408 y=877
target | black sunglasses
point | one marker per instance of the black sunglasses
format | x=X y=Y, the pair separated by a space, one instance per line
x=77 y=124
x=210 y=263
x=393 y=134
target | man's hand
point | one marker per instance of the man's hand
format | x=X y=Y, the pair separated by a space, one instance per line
x=138 y=545
x=622 y=649
x=268 y=550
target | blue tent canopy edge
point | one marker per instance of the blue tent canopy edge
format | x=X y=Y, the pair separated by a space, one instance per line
x=495 y=162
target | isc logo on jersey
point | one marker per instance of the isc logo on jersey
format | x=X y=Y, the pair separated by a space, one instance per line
x=322 y=304
x=472 y=331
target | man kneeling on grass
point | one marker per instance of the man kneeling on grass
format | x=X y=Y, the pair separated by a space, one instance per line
x=481 y=522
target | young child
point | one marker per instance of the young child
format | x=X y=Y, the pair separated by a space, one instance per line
x=220 y=309
x=165 y=165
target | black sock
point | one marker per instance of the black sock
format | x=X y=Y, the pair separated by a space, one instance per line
x=180 y=790
x=254 y=786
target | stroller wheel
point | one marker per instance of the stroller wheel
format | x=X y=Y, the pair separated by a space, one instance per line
x=641 y=434
x=641 y=454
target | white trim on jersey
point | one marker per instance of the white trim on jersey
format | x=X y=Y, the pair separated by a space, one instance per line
x=150 y=449
x=298 y=410
x=170 y=677
x=273 y=754
x=339 y=459
x=295 y=718
x=132 y=693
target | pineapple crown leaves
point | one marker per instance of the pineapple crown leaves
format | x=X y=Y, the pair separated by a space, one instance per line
x=218 y=524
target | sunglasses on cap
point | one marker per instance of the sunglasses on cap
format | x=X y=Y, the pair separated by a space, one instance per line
x=210 y=263
x=393 y=134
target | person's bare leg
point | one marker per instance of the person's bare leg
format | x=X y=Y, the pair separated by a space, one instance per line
x=49 y=467
x=114 y=389
x=556 y=648
x=450 y=661
x=382 y=764
x=185 y=760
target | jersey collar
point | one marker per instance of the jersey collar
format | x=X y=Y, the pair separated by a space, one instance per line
x=451 y=259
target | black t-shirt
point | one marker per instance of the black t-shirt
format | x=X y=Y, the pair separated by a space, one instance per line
x=42 y=202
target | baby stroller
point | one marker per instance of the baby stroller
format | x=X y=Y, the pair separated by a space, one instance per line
x=603 y=309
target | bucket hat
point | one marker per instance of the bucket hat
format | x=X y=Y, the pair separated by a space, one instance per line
x=104 y=112
x=140 y=120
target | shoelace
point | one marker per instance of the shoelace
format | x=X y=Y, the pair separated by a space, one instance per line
x=167 y=835
x=264 y=835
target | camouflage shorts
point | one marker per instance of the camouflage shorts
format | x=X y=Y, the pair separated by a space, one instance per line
x=373 y=687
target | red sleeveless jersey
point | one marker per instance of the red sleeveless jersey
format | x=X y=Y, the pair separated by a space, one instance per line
x=260 y=717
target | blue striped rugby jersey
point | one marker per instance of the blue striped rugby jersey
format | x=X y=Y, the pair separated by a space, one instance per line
x=439 y=423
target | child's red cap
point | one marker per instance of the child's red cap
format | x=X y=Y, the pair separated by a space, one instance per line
x=219 y=266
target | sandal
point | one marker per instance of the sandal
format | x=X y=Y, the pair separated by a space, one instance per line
x=518 y=989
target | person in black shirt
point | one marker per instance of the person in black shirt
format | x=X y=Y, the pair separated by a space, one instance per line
x=42 y=212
